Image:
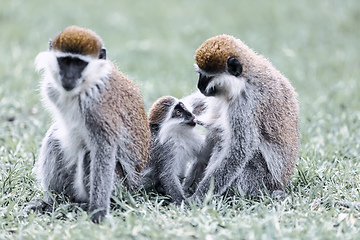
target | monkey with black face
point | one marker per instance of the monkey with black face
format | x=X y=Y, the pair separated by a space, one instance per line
x=255 y=114
x=174 y=143
x=100 y=135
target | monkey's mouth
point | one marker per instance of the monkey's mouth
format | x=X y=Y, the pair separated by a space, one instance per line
x=191 y=123
x=200 y=123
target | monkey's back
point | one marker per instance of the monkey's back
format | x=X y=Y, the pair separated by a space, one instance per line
x=278 y=116
x=122 y=116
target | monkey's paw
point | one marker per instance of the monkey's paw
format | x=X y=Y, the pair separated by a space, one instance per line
x=193 y=201
x=278 y=194
x=40 y=206
x=98 y=216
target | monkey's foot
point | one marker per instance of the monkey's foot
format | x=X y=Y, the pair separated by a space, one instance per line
x=41 y=206
x=98 y=216
x=194 y=200
x=278 y=194
x=83 y=206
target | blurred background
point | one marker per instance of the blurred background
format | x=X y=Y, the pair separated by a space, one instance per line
x=315 y=44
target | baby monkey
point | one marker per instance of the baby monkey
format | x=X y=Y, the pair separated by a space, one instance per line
x=174 y=143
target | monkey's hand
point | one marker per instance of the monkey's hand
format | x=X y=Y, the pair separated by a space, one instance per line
x=222 y=176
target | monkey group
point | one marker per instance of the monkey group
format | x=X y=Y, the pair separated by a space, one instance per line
x=101 y=137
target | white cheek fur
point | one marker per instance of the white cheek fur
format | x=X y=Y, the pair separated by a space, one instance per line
x=46 y=61
x=93 y=74
x=231 y=86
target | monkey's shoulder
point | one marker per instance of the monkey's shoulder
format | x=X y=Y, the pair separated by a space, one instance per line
x=122 y=107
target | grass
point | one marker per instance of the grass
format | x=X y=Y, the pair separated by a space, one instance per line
x=314 y=43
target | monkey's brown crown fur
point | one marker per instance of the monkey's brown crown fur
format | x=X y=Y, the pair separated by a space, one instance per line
x=160 y=108
x=78 y=40
x=212 y=55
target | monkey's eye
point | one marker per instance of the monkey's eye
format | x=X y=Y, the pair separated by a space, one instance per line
x=79 y=62
x=178 y=112
x=66 y=60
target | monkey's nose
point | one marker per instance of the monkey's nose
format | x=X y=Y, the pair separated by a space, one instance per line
x=192 y=121
x=203 y=83
x=68 y=83
x=68 y=88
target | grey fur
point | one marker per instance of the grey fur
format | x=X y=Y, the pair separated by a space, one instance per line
x=99 y=138
x=170 y=150
x=198 y=166
x=257 y=147
x=160 y=174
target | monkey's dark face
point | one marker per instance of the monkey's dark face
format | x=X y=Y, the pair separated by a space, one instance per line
x=177 y=123
x=184 y=115
x=71 y=69
x=207 y=83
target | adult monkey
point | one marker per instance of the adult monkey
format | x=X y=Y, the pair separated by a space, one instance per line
x=256 y=119
x=100 y=135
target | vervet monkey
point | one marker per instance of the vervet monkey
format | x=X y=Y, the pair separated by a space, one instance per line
x=256 y=119
x=174 y=143
x=100 y=135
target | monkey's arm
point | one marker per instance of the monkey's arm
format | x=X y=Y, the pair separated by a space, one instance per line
x=194 y=175
x=228 y=163
x=197 y=168
x=171 y=185
x=223 y=172
x=164 y=171
x=102 y=170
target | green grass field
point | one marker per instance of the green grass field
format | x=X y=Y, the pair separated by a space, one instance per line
x=316 y=44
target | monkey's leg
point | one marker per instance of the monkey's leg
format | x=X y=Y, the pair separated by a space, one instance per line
x=102 y=170
x=197 y=168
x=223 y=174
x=126 y=167
x=172 y=187
x=194 y=175
x=255 y=179
x=51 y=172
x=225 y=166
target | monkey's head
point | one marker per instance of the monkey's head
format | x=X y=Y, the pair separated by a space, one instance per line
x=221 y=62
x=169 y=112
x=76 y=59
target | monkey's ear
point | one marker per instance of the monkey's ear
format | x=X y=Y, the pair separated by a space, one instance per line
x=234 y=66
x=102 y=54
x=50 y=45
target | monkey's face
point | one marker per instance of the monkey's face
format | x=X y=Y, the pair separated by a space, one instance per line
x=176 y=118
x=227 y=83
x=183 y=116
x=71 y=69
x=178 y=122
x=73 y=73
